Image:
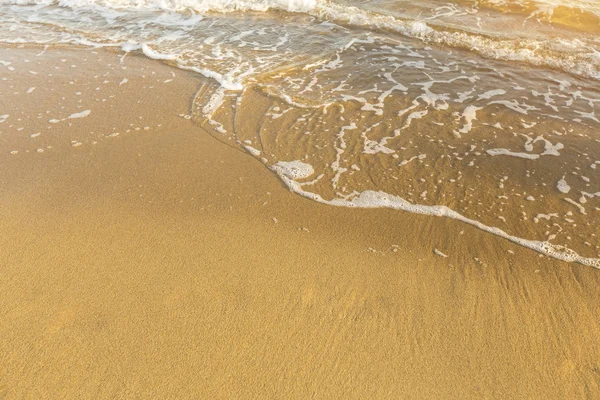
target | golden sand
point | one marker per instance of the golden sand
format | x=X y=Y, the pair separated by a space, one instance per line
x=160 y=263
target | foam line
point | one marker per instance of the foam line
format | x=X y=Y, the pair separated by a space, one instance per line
x=378 y=199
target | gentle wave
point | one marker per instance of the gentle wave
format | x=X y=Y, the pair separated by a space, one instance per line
x=201 y=6
x=571 y=56
x=572 y=12
x=574 y=56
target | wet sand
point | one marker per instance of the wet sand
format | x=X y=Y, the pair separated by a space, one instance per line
x=158 y=262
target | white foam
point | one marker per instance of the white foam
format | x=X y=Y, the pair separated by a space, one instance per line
x=544 y=216
x=293 y=170
x=197 y=5
x=576 y=204
x=151 y=53
x=81 y=114
x=549 y=148
x=439 y=253
x=252 y=150
x=491 y=93
x=505 y=152
x=563 y=186
x=225 y=81
x=419 y=157
x=469 y=115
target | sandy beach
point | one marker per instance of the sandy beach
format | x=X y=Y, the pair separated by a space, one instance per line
x=142 y=258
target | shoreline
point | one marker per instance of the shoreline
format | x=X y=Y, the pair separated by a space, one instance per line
x=164 y=263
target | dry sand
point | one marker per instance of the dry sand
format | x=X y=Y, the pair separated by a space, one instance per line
x=160 y=263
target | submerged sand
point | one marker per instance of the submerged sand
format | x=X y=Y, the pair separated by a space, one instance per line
x=142 y=258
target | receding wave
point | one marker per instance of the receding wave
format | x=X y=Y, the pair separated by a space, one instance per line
x=430 y=107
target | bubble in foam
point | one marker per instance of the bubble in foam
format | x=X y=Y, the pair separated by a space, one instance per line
x=294 y=169
x=563 y=186
x=81 y=114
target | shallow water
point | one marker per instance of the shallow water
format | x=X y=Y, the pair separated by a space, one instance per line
x=483 y=111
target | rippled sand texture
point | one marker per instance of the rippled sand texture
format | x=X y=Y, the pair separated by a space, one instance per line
x=141 y=258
